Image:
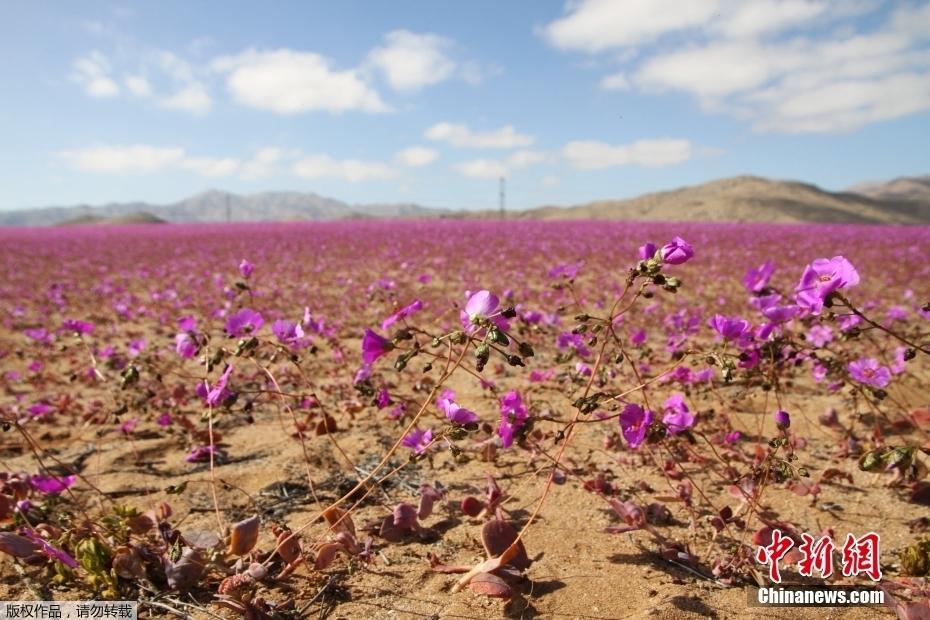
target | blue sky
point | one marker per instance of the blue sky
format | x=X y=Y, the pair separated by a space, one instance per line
x=431 y=102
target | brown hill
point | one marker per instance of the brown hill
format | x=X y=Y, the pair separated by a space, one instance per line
x=746 y=199
x=907 y=189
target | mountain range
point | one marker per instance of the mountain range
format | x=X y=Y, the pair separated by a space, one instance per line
x=904 y=200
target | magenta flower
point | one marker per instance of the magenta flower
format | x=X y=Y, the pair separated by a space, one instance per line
x=39 y=334
x=513 y=417
x=418 y=440
x=565 y=270
x=677 y=416
x=757 y=279
x=78 y=327
x=383 y=399
x=819 y=335
x=374 y=346
x=731 y=328
x=677 y=251
x=48 y=550
x=403 y=313
x=164 y=420
x=822 y=278
x=868 y=371
x=244 y=322
x=129 y=426
x=647 y=251
x=455 y=413
x=246 y=268
x=40 y=409
x=634 y=422
x=187 y=324
x=219 y=393
x=51 y=485
x=782 y=419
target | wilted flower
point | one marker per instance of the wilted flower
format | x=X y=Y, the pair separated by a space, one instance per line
x=634 y=422
x=453 y=411
x=200 y=454
x=677 y=251
x=218 y=394
x=383 y=399
x=513 y=416
x=374 y=346
x=403 y=313
x=48 y=550
x=822 y=278
x=868 y=371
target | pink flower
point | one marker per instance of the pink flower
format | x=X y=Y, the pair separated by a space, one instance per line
x=677 y=251
x=218 y=394
x=822 y=278
x=482 y=306
x=48 y=550
x=244 y=322
x=647 y=251
x=868 y=371
x=677 y=416
x=513 y=417
x=78 y=327
x=454 y=412
x=246 y=268
x=757 y=279
x=731 y=328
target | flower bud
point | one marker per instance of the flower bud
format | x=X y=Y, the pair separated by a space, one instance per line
x=782 y=419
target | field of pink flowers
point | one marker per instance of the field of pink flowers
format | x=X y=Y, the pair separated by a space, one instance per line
x=464 y=419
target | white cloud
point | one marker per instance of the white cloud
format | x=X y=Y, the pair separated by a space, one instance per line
x=410 y=60
x=597 y=25
x=212 y=166
x=352 y=170
x=616 y=81
x=92 y=72
x=262 y=164
x=594 y=155
x=290 y=82
x=139 y=158
x=481 y=169
x=550 y=181
x=460 y=135
x=192 y=98
x=138 y=85
x=416 y=156
x=779 y=65
x=494 y=168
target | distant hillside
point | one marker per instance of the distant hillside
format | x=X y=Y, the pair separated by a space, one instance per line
x=737 y=199
x=746 y=199
x=140 y=217
x=908 y=189
x=214 y=206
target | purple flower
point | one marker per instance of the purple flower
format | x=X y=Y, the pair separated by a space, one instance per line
x=638 y=338
x=565 y=270
x=403 y=313
x=780 y=314
x=868 y=371
x=246 y=268
x=246 y=321
x=513 y=416
x=289 y=333
x=51 y=485
x=164 y=420
x=677 y=251
x=647 y=251
x=819 y=335
x=757 y=279
x=187 y=324
x=40 y=409
x=454 y=412
x=129 y=426
x=78 y=327
x=782 y=419
x=732 y=437
x=731 y=328
x=418 y=440
x=219 y=393
x=822 y=278
x=634 y=422
x=362 y=374
x=900 y=362
x=374 y=346
x=677 y=416
x=185 y=345
x=136 y=347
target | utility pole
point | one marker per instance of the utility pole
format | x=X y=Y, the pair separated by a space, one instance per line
x=502 y=195
x=228 y=210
